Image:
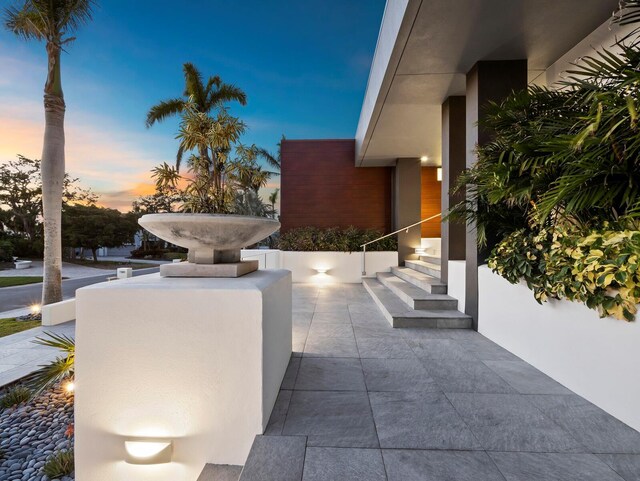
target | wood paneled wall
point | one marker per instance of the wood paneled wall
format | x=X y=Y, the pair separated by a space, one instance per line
x=322 y=187
x=430 y=201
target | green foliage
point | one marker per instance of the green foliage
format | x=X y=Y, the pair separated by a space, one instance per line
x=6 y=251
x=93 y=227
x=19 y=280
x=58 y=465
x=334 y=239
x=598 y=267
x=174 y=255
x=14 y=397
x=58 y=370
x=12 y=325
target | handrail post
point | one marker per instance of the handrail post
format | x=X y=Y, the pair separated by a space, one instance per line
x=364 y=262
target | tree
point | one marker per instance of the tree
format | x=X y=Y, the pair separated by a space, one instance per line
x=198 y=98
x=51 y=21
x=273 y=198
x=272 y=160
x=92 y=227
x=21 y=196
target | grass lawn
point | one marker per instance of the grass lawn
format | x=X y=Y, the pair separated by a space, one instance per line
x=109 y=264
x=19 y=281
x=11 y=326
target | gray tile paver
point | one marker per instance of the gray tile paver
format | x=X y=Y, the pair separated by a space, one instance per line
x=626 y=465
x=340 y=464
x=414 y=465
x=457 y=408
x=553 y=467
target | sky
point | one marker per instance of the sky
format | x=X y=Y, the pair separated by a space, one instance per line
x=303 y=64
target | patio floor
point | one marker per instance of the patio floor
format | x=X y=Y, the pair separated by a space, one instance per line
x=373 y=403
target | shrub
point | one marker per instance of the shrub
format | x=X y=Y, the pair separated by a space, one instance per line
x=6 y=251
x=14 y=397
x=150 y=253
x=58 y=465
x=174 y=255
x=334 y=239
x=596 y=266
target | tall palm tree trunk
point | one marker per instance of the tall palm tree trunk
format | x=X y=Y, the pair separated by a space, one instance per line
x=52 y=168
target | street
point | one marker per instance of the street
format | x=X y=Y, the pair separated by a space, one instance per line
x=24 y=296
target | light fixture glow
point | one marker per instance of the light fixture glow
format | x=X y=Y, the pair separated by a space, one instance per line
x=69 y=386
x=424 y=158
x=148 y=451
x=35 y=308
x=439 y=174
x=322 y=270
x=421 y=251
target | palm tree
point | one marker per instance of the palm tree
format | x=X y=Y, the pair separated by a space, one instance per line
x=200 y=98
x=51 y=21
x=273 y=198
x=272 y=160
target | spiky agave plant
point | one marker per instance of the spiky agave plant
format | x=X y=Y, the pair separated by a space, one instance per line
x=63 y=367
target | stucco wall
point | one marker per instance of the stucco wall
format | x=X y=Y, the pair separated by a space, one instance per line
x=596 y=358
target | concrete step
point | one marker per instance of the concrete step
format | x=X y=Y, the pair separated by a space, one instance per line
x=424 y=281
x=275 y=458
x=220 y=472
x=424 y=267
x=431 y=259
x=400 y=315
x=415 y=297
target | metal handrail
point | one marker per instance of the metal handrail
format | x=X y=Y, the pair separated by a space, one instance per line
x=406 y=229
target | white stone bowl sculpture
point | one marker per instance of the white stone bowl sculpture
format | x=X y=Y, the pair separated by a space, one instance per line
x=214 y=241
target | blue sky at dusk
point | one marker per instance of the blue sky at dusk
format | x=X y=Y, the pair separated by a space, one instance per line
x=303 y=64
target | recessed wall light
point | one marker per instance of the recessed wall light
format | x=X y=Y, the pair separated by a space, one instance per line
x=439 y=174
x=322 y=270
x=146 y=451
x=424 y=158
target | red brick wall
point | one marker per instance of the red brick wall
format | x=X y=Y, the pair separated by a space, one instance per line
x=431 y=201
x=321 y=187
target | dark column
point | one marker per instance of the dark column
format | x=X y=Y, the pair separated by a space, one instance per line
x=406 y=203
x=454 y=161
x=487 y=81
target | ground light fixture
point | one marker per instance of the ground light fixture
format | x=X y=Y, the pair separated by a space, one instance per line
x=69 y=386
x=148 y=451
x=35 y=308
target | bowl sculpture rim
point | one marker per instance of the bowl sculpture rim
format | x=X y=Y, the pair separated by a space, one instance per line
x=180 y=235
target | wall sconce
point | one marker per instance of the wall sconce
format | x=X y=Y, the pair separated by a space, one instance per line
x=421 y=251
x=148 y=451
x=322 y=270
x=439 y=174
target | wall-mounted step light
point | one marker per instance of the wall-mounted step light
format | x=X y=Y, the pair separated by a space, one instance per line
x=439 y=174
x=146 y=451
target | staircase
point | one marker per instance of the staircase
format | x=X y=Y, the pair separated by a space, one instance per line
x=272 y=458
x=414 y=296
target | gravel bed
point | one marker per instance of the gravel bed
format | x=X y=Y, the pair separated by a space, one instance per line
x=32 y=432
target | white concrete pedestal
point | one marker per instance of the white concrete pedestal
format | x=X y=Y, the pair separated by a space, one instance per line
x=197 y=361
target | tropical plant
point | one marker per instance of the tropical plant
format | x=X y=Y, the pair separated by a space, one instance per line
x=198 y=99
x=62 y=368
x=14 y=397
x=51 y=21
x=599 y=267
x=59 y=464
x=272 y=160
x=273 y=198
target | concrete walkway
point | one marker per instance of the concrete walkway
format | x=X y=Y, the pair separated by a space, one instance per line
x=382 y=404
x=20 y=356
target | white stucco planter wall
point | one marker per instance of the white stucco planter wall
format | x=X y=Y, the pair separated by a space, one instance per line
x=59 y=312
x=596 y=358
x=340 y=266
x=456 y=286
x=197 y=361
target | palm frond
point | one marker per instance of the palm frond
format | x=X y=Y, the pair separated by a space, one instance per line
x=56 y=371
x=164 y=109
x=193 y=86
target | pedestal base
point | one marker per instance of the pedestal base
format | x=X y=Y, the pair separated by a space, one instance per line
x=195 y=361
x=188 y=269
